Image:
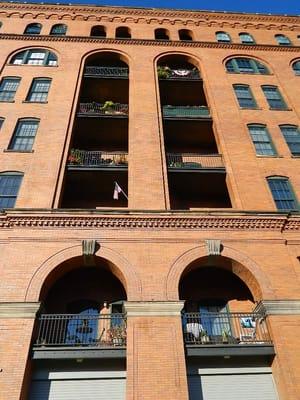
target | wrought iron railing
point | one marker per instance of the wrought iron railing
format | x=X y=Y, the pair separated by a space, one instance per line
x=107 y=72
x=97 y=159
x=194 y=161
x=225 y=328
x=178 y=74
x=81 y=330
x=108 y=108
x=186 y=111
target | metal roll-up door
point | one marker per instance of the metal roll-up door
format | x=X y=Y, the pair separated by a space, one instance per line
x=233 y=384
x=79 y=386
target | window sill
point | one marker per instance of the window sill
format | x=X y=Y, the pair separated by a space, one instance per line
x=295 y=156
x=250 y=108
x=34 y=102
x=280 y=109
x=17 y=151
x=268 y=156
x=7 y=101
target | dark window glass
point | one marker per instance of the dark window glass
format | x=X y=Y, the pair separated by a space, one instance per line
x=35 y=57
x=244 y=96
x=39 y=90
x=1 y=122
x=122 y=32
x=185 y=34
x=283 y=40
x=282 y=194
x=33 y=29
x=9 y=187
x=261 y=140
x=24 y=135
x=99 y=31
x=291 y=134
x=223 y=37
x=8 y=88
x=246 y=38
x=296 y=67
x=246 y=66
x=59 y=29
x=161 y=34
x=274 y=97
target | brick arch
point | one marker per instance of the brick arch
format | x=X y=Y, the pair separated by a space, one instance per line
x=123 y=55
x=120 y=267
x=242 y=266
x=188 y=55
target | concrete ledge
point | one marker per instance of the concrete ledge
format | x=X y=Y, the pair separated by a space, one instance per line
x=240 y=350
x=278 y=307
x=19 y=310
x=43 y=353
x=153 y=308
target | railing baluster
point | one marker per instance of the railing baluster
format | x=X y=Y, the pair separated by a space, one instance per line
x=194 y=161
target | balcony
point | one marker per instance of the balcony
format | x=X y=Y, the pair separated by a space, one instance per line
x=82 y=159
x=194 y=162
x=75 y=335
x=183 y=112
x=107 y=109
x=226 y=333
x=180 y=74
x=106 y=72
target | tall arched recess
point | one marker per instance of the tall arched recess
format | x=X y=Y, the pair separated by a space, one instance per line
x=196 y=173
x=98 y=152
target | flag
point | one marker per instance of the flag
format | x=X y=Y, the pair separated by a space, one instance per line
x=117 y=190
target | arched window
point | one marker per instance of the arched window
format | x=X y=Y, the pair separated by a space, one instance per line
x=98 y=30
x=223 y=37
x=291 y=134
x=246 y=38
x=33 y=29
x=24 y=134
x=161 y=34
x=9 y=187
x=296 y=67
x=282 y=193
x=261 y=140
x=34 y=57
x=283 y=40
x=246 y=66
x=59 y=30
x=185 y=34
x=123 y=32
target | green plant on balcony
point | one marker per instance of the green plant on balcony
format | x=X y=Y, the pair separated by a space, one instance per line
x=225 y=336
x=117 y=335
x=163 y=72
x=75 y=157
x=204 y=337
x=108 y=107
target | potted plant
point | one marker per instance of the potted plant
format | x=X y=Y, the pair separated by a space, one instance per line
x=75 y=157
x=225 y=336
x=117 y=335
x=163 y=72
x=108 y=107
x=204 y=337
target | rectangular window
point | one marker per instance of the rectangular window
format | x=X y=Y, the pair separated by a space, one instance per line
x=261 y=140
x=282 y=194
x=274 y=98
x=244 y=96
x=292 y=138
x=8 y=88
x=24 y=135
x=9 y=187
x=39 y=90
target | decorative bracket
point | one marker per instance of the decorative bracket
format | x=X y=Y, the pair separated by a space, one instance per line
x=88 y=251
x=214 y=247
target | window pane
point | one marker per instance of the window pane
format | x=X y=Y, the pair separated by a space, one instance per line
x=246 y=38
x=296 y=67
x=33 y=29
x=261 y=140
x=1 y=122
x=9 y=187
x=244 y=65
x=282 y=194
x=244 y=96
x=223 y=37
x=24 y=135
x=39 y=90
x=283 y=40
x=274 y=97
x=59 y=29
x=292 y=138
x=8 y=88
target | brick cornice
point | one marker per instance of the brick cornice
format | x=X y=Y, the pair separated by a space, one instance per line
x=153 y=221
x=149 y=42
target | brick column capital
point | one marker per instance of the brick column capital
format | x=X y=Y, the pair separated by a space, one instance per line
x=278 y=307
x=19 y=310
x=153 y=308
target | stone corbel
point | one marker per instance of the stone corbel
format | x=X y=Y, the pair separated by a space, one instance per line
x=89 y=247
x=213 y=247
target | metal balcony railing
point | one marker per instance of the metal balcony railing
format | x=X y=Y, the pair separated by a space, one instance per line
x=194 y=161
x=186 y=112
x=83 y=158
x=106 y=72
x=81 y=330
x=178 y=74
x=225 y=328
x=94 y=108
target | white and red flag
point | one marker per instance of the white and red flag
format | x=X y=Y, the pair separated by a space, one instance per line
x=117 y=191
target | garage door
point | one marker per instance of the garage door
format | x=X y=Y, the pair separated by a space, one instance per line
x=87 y=385
x=232 y=384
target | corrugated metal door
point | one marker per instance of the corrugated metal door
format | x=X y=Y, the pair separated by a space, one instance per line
x=246 y=384
x=79 y=386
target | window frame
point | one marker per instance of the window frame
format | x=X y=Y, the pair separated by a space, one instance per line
x=12 y=78
x=224 y=34
x=280 y=98
x=254 y=106
x=55 y=26
x=2 y=119
x=292 y=193
x=31 y=25
x=287 y=41
x=31 y=91
x=13 y=146
x=250 y=42
x=256 y=66
x=26 y=57
x=14 y=196
x=290 y=143
x=256 y=143
x=297 y=69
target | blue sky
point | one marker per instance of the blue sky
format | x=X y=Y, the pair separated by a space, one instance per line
x=260 y=6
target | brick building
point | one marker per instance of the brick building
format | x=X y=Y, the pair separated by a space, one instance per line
x=149 y=177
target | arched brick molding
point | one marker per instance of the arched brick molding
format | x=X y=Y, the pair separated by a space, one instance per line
x=120 y=267
x=242 y=266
